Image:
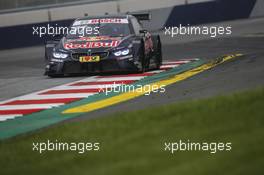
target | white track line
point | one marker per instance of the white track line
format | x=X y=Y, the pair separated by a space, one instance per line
x=6 y=117
x=37 y=106
x=157 y=71
x=55 y=96
x=120 y=78
x=169 y=66
x=86 y=87
x=176 y=62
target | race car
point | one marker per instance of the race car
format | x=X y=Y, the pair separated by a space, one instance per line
x=109 y=43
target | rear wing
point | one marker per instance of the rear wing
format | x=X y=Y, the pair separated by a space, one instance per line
x=142 y=16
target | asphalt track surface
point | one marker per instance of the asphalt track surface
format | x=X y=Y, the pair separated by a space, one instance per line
x=21 y=70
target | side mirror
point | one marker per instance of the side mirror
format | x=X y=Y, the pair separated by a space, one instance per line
x=143 y=31
x=52 y=39
x=57 y=37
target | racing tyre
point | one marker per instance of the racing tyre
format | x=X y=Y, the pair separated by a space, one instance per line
x=55 y=75
x=142 y=58
x=157 y=51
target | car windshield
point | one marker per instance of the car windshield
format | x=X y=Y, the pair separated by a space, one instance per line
x=115 y=27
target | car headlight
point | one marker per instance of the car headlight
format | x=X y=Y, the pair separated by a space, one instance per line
x=122 y=52
x=118 y=53
x=60 y=55
x=125 y=52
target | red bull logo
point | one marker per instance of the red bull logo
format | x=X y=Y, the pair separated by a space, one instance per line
x=88 y=45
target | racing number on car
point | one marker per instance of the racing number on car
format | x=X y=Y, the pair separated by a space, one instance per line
x=93 y=58
x=84 y=59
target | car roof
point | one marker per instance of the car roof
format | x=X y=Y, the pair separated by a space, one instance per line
x=105 y=16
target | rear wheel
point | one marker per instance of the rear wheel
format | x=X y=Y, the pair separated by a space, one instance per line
x=142 y=59
x=157 y=52
x=159 y=55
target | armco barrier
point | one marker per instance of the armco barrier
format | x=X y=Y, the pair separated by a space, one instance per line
x=208 y=12
x=22 y=35
x=193 y=13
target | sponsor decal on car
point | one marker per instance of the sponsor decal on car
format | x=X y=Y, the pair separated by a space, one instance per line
x=91 y=45
x=102 y=21
x=98 y=38
x=95 y=38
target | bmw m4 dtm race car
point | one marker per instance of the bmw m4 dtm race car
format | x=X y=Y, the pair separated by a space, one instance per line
x=109 y=44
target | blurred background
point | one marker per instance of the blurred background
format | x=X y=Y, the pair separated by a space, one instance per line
x=18 y=17
x=23 y=4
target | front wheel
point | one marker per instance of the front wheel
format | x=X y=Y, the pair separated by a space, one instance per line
x=55 y=75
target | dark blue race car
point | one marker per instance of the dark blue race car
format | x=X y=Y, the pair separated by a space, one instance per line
x=104 y=44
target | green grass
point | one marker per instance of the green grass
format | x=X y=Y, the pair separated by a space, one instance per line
x=133 y=143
